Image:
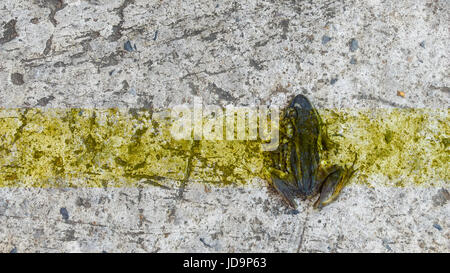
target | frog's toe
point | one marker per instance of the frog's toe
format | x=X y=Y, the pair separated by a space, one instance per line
x=286 y=189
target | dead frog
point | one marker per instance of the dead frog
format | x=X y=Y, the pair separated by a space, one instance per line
x=298 y=170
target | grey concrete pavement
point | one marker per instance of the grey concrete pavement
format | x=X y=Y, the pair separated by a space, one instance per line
x=222 y=220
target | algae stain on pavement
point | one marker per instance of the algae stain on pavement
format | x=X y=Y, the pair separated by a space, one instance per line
x=396 y=147
x=118 y=147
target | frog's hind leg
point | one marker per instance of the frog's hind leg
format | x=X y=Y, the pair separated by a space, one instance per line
x=286 y=189
x=332 y=186
x=337 y=178
x=330 y=189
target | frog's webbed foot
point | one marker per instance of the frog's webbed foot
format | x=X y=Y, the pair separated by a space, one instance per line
x=286 y=188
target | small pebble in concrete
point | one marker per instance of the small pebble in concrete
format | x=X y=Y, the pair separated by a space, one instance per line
x=293 y=212
x=83 y=202
x=441 y=198
x=128 y=47
x=437 y=226
x=353 y=60
x=353 y=45
x=14 y=250
x=156 y=35
x=17 y=78
x=401 y=94
x=333 y=81
x=64 y=213
x=422 y=44
x=325 y=39
x=386 y=244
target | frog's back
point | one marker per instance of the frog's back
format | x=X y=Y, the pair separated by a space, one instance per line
x=307 y=129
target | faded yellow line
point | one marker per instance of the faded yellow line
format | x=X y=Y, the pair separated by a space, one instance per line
x=119 y=147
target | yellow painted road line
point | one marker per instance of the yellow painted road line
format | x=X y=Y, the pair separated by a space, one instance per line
x=119 y=147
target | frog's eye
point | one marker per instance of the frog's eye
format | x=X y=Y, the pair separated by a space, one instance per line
x=291 y=113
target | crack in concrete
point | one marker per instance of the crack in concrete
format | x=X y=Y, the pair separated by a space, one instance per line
x=302 y=235
x=48 y=46
x=384 y=101
x=117 y=29
x=54 y=6
x=182 y=188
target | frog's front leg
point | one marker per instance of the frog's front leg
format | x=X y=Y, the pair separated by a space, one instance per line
x=285 y=185
x=332 y=185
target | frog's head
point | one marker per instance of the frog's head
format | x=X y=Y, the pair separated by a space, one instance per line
x=301 y=102
x=303 y=115
x=299 y=107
